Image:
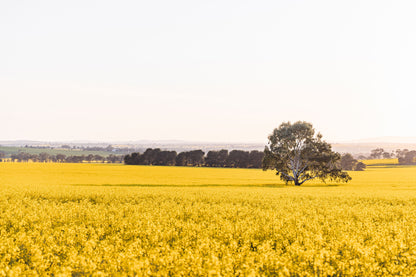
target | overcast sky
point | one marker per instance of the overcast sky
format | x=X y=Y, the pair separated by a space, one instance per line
x=218 y=71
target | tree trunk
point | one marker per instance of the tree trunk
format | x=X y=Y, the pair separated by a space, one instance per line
x=297 y=182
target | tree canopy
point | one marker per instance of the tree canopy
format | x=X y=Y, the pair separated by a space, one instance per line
x=349 y=163
x=298 y=155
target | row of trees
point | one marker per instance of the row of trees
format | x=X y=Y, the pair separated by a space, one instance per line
x=61 y=158
x=109 y=148
x=380 y=153
x=221 y=158
x=406 y=157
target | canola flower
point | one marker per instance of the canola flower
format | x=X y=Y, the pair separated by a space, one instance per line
x=106 y=220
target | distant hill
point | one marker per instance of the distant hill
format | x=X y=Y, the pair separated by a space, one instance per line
x=385 y=140
x=364 y=146
x=176 y=145
x=356 y=147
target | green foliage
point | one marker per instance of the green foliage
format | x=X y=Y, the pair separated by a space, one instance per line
x=298 y=155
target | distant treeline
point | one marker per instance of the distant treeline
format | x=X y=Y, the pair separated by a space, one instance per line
x=221 y=158
x=109 y=148
x=404 y=156
x=61 y=158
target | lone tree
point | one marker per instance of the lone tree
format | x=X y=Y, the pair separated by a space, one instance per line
x=298 y=155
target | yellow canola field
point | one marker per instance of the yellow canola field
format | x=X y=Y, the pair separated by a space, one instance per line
x=51 y=174
x=106 y=220
x=381 y=162
x=118 y=174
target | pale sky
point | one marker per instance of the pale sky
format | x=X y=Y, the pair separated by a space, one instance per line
x=215 y=71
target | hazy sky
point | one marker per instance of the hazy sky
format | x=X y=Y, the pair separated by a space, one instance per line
x=226 y=71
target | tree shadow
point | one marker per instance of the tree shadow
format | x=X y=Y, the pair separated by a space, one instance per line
x=267 y=185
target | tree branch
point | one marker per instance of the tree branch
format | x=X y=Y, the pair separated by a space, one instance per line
x=307 y=179
x=287 y=176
